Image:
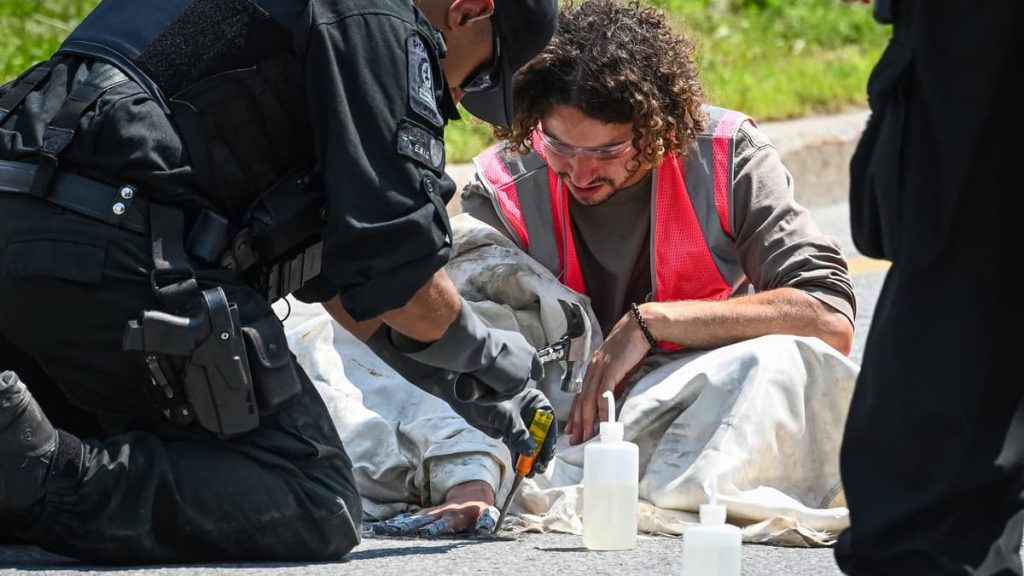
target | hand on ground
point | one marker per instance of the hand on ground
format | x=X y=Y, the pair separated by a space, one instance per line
x=468 y=508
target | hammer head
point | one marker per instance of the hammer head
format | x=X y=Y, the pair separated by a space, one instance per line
x=575 y=324
x=575 y=330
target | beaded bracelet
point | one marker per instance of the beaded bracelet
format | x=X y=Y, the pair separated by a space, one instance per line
x=643 y=328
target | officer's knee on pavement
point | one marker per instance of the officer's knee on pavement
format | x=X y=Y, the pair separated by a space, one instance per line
x=329 y=537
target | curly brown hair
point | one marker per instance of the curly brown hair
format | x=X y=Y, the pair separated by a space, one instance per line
x=619 y=63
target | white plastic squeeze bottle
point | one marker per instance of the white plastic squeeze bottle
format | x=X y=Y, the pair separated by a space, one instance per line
x=611 y=475
x=712 y=548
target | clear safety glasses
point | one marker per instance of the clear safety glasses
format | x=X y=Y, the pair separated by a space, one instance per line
x=555 y=147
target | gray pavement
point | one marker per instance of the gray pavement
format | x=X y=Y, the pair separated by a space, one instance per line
x=817 y=152
x=533 y=554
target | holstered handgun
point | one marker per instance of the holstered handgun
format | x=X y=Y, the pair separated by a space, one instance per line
x=217 y=380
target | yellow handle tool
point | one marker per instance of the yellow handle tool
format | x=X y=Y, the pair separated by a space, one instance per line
x=539 y=428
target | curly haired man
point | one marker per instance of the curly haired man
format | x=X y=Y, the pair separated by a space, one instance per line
x=657 y=199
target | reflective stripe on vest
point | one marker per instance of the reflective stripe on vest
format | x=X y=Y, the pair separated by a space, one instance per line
x=693 y=250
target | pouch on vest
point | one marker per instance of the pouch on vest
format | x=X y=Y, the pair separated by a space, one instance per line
x=278 y=249
x=270 y=361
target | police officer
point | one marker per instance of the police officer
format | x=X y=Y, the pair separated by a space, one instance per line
x=173 y=169
x=932 y=459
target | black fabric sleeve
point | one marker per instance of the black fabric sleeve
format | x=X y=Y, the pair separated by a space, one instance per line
x=382 y=157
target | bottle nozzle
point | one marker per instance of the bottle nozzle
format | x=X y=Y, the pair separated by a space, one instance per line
x=712 y=513
x=611 y=404
x=611 y=431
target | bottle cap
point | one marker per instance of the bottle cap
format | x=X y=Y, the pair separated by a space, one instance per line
x=611 y=431
x=712 y=514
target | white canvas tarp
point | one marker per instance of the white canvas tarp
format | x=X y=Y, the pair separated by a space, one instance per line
x=760 y=422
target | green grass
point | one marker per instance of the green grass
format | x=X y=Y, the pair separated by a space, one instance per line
x=773 y=59
x=30 y=30
x=777 y=59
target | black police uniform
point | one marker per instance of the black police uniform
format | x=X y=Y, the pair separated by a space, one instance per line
x=142 y=128
x=932 y=459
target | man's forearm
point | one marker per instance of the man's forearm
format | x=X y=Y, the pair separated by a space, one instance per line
x=362 y=330
x=425 y=317
x=430 y=312
x=704 y=324
x=471 y=491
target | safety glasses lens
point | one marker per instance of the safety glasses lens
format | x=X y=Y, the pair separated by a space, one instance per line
x=604 y=153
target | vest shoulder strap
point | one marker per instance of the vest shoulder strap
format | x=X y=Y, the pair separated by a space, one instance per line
x=21 y=87
x=501 y=171
x=723 y=125
x=723 y=122
x=61 y=129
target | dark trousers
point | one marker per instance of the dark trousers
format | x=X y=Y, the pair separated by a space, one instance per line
x=932 y=459
x=144 y=490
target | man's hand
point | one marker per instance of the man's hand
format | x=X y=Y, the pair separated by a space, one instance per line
x=620 y=354
x=464 y=507
x=468 y=507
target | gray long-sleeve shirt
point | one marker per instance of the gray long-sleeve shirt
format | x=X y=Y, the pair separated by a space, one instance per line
x=777 y=242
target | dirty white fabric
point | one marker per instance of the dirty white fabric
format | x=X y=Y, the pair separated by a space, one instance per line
x=407 y=447
x=760 y=421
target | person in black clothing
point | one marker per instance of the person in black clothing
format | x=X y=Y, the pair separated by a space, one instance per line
x=172 y=170
x=932 y=459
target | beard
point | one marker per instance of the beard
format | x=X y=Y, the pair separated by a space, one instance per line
x=602 y=195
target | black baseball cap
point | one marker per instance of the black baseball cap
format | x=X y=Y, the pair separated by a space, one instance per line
x=524 y=28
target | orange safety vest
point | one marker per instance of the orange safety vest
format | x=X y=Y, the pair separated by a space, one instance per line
x=693 y=251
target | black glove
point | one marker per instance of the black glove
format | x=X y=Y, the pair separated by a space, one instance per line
x=508 y=419
x=501 y=360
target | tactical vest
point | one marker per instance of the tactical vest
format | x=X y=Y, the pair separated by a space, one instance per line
x=227 y=75
x=693 y=249
x=226 y=72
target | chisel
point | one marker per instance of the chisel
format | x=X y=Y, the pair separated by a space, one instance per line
x=542 y=420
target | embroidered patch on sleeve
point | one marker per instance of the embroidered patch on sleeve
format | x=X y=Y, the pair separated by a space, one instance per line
x=421 y=81
x=421 y=145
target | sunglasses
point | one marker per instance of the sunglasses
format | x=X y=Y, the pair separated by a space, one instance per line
x=487 y=76
x=607 y=153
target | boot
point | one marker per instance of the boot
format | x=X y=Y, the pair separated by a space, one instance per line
x=28 y=443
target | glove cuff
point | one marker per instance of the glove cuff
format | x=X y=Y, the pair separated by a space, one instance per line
x=502 y=359
x=462 y=347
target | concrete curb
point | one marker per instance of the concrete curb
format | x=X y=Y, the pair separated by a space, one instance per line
x=816 y=150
